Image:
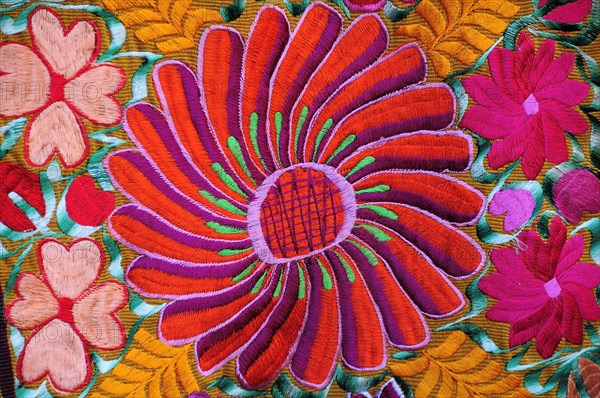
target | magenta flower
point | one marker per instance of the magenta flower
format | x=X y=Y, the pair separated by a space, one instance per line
x=576 y=192
x=569 y=13
x=544 y=291
x=369 y=5
x=526 y=106
x=518 y=206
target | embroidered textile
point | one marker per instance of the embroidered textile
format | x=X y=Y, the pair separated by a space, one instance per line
x=344 y=198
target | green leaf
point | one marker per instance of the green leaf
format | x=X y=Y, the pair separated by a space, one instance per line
x=396 y=14
x=356 y=384
x=233 y=11
x=231 y=388
x=10 y=133
x=283 y=388
x=342 y=5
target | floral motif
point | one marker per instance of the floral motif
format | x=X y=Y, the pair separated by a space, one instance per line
x=291 y=199
x=17 y=179
x=87 y=205
x=517 y=205
x=526 y=106
x=56 y=80
x=573 y=12
x=66 y=313
x=544 y=291
x=369 y=5
x=575 y=192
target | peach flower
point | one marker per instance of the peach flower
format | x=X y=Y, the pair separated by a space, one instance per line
x=57 y=80
x=66 y=314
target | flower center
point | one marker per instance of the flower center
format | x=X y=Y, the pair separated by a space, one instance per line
x=552 y=288
x=57 y=88
x=531 y=105
x=65 y=309
x=300 y=211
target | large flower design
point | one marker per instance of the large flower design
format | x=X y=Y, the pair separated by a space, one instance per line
x=56 y=80
x=526 y=106
x=291 y=198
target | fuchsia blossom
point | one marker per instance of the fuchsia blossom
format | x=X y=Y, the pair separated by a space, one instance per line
x=544 y=291
x=369 y=5
x=526 y=106
x=569 y=13
x=576 y=192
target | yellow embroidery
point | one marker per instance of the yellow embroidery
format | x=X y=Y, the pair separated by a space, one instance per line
x=456 y=29
x=172 y=25
x=151 y=369
x=447 y=373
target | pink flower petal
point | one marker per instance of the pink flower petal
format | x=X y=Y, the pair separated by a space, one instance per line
x=509 y=263
x=485 y=91
x=510 y=148
x=541 y=257
x=517 y=204
x=583 y=274
x=94 y=315
x=65 y=54
x=500 y=287
x=570 y=254
x=543 y=60
x=586 y=300
x=502 y=67
x=525 y=329
x=568 y=118
x=56 y=351
x=490 y=124
x=557 y=72
x=513 y=309
x=572 y=322
x=574 y=193
x=550 y=333
x=56 y=130
x=568 y=92
x=36 y=304
x=569 y=13
x=24 y=80
x=555 y=140
x=365 y=5
x=524 y=62
x=534 y=157
x=70 y=270
x=90 y=93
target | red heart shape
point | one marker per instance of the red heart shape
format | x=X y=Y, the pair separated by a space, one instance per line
x=87 y=205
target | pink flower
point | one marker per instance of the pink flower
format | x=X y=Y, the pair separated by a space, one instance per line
x=368 y=5
x=544 y=291
x=569 y=13
x=527 y=105
x=56 y=80
x=517 y=204
x=66 y=314
x=575 y=192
